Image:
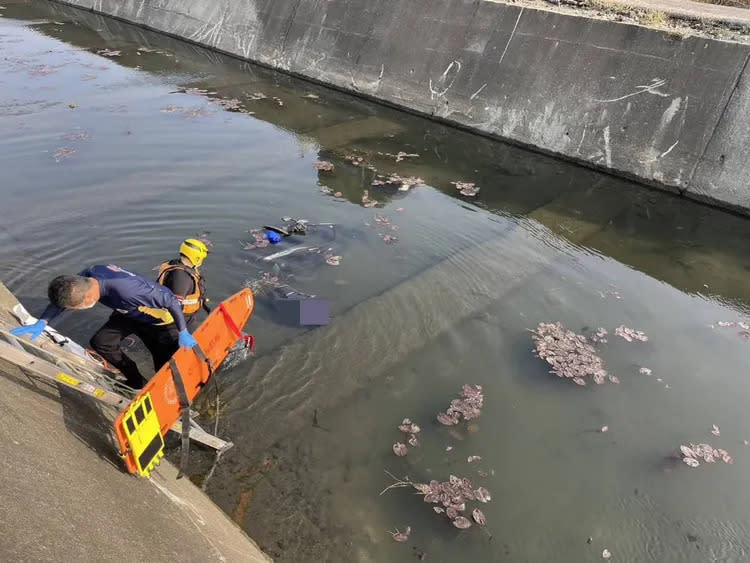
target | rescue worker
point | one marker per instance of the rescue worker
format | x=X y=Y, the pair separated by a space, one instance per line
x=140 y=305
x=183 y=278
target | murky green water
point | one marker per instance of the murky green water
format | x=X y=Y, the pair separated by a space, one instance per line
x=314 y=416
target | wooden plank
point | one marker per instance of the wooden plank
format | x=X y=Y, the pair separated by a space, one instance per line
x=202 y=437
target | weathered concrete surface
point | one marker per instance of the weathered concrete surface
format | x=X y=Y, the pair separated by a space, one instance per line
x=637 y=102
x=66 y=498
x=722 y=173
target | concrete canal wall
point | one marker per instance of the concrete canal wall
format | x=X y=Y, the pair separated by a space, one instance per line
x=670 y=111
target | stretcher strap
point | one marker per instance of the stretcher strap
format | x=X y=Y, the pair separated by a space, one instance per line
x=230 y=321
x=205 y=359
x=179 y=384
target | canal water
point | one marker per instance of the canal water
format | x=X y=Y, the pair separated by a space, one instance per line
x=116 y=143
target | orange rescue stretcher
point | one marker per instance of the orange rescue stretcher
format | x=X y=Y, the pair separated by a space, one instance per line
x=167 y=397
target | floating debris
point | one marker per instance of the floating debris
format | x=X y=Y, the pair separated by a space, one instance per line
x=146 y=50
x=411 y=430
x=366 y=201
x=604 y=429
x=600 y=337
x=478 y=516
x=402 y=155
x=399 y=156
x=199 y=92
x=332 y=260
x=401 y=537
x=278 y=101
x=400 y=449
x=448 y=448
x=324 y=166
x=403 y=182
x=87 y=77
x=467 y=189
x=451 y=497
x=630 y=334
x=468 y=407
x=64 y=152
x=255 y=96
x=461 y=522
x=727 y=324
x=473 y=458
x=338 y=194
x=354 y=159
x=691 y=462
x=187 y=112
x=692 y=454
x=569 y=354
x=408 y=427
x=645 y=371
x=311 y=96
x=230 y=104
x=108 y=53
x=715 y=430
x=75 y=136
x=399 y=209
x=606 y=554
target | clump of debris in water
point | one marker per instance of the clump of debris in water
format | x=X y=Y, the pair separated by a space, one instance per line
x=466 y=189
x=452 y=497
x=411 y=431
x=693 y=454
x=570 y=354
x=467 y=407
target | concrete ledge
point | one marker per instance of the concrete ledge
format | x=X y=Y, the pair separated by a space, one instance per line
x=636 y=102
x=66 y=497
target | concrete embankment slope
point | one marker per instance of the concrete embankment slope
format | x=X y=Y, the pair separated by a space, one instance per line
x=668 y=110
x=65 y=496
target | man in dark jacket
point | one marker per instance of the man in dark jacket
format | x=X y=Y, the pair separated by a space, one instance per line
x=141 y=306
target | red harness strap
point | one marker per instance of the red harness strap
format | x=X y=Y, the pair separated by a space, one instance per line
x=248 y=340
x=230 y=321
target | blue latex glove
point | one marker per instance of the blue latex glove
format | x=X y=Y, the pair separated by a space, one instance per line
x=34 y=330
x=273 y=237
x=186 y=340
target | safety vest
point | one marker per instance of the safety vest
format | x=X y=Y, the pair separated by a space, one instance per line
x=191 y=303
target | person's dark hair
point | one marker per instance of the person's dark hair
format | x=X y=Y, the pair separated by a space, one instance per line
x=68 y=291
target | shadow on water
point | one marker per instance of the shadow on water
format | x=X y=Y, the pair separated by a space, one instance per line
x=190 y=139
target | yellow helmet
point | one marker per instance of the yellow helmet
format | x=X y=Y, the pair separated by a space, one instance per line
x=194 y=250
